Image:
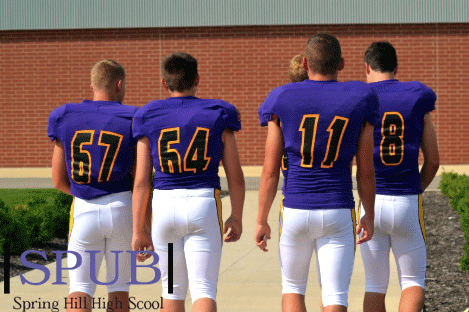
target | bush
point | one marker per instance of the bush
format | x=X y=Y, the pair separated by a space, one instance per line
x=21 y=226
x=5 y=227
x=456 y=188
x=34 y=222
x=62 y=204
x=446 y=183
x=463 y=210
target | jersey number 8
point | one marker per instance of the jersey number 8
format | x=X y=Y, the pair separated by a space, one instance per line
x=392 y=142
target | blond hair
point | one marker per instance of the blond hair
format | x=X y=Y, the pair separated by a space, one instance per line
x=296 y=72
x=105 y=73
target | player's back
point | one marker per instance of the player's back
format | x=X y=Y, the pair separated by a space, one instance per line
x=185 y=138
x=98 y=144
x=398 y=134
x=321 y=123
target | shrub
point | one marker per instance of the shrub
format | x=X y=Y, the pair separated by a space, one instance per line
x=36 y=221
x=62 y=204
x=446 y=183
x=5 y=228
x=463 y=209
x=19 y=230
x=456 y=188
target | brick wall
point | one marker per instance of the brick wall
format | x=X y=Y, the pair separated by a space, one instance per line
x=41 y=70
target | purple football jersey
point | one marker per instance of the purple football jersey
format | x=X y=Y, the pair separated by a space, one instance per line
x=98 y=143
x=185 y=139
x=321 y=123
x=398 y=133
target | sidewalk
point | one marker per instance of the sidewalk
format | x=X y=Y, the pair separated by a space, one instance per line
x=249 y=278
x=28 y=178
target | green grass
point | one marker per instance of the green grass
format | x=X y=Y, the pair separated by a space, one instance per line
x=13 y=197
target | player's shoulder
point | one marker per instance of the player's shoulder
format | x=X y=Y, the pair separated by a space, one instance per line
x=228 y=109
x=142 y=111
x=130 y=108
x=62 y=110
x=219 y=102
x=287 y=88
x=355 y=86
x=424 y=90
x=359 y=91
x=280 y=93
x=124 y=111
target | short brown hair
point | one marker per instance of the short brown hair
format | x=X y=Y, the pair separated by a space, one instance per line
x=381 y=56
x=179 y=71
x=296 y=72
x=323 y=53
x=105 y=72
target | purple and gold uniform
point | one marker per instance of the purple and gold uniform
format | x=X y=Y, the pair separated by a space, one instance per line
x=99 y=155
x=321 y=122
x=98 y=143
x=399 y=222
x=398 y=134
x=185 y=135
x=185 y=139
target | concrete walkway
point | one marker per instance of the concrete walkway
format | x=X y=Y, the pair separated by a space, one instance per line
x=249 y=278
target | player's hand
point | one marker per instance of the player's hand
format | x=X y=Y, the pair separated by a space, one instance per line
x=142 y=242
x=236 y=228
x=261 y=235
x=367 y=226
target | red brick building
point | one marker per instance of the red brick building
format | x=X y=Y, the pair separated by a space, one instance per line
x=41 y=69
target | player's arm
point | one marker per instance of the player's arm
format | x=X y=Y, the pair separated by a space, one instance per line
x=269 y=181
x=147 y=225
x=236 y=186
x=141 y=198
x=59 y=169
x=366 y=182
x=431 y=158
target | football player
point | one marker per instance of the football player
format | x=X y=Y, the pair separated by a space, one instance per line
x=324 y=124
x=92 y=160
x=404 y=127
x=184 y=138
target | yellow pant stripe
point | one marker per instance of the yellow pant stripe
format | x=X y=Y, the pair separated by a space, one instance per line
x=354 y=223
x=219 y=212
x=280 y=218
x=71 y=219
x=359 y=210
x=421 y=220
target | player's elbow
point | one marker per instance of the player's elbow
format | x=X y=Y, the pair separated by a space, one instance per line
x=432 y=163
x=141 y=184
x=270 y=175
x=56 y=183
x=61 y=185
x=366 y=179
x=365 y=173
x=237 y=181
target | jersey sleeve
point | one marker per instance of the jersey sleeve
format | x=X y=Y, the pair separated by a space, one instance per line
x=52 y=124
x=427 y=100
x=138 y=124
x=232 y=117
x=372 y=108
x=266 y=110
